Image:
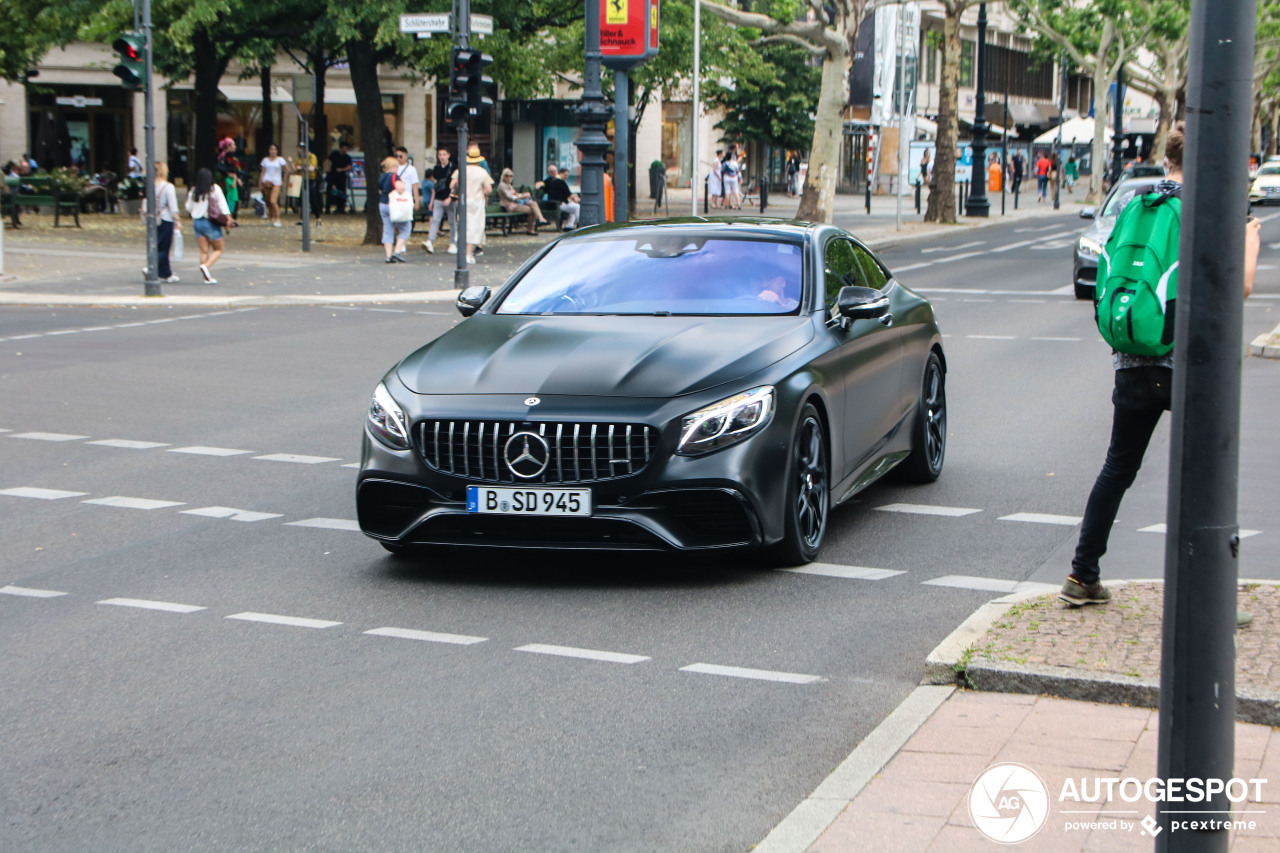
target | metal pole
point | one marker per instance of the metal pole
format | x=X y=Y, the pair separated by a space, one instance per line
x=1062 y=105
x=977 y=204
x=1197 y=667
x=1004 y=137
x=621 y=144
x=152 y=286
x=697 y=88
x=593 y=114
x=462 y=38
x=306 y=181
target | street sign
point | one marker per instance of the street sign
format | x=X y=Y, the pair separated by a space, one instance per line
x=482 y=25
x=428 y=23
x=628 y=32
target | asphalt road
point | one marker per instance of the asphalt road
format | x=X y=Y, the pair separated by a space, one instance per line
x=207 y=680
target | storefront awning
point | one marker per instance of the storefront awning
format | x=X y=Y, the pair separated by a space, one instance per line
x=339 y=96
x=253 y=94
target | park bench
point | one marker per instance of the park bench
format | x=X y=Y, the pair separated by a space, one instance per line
x=38 y=191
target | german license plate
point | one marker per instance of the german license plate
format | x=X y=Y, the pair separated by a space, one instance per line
x=484 y=499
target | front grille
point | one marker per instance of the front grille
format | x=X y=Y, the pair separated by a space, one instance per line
x=576 y=452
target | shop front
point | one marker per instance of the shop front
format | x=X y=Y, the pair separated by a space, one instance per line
x=80 y=125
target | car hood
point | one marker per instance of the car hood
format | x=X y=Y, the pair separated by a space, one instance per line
x=600 y=356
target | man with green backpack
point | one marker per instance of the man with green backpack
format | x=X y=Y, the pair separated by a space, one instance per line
x=1135 y=300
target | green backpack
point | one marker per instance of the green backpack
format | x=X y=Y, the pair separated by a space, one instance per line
x=1138 y=277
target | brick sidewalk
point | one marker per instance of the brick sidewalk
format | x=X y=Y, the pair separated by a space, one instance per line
x=919 y=800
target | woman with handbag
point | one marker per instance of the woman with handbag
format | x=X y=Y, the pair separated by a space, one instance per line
x=387 y=185
x=210 y=215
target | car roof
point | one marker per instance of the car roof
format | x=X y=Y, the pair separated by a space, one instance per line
x=696 y=225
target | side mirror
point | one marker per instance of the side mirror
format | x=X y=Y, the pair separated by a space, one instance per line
x=470 y=300
x=861 y=303
x=1088 y=213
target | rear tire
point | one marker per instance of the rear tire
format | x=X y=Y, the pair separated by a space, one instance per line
x=808 y=494
x=929 y=433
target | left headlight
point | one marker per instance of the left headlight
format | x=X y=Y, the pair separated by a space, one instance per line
x=387 y=421
x=1089 y=248
x=726 y=422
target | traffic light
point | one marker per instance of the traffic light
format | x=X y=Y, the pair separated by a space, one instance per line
x=467 y=83
x=132 y=68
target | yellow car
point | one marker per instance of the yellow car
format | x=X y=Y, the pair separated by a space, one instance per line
x=1265 y=188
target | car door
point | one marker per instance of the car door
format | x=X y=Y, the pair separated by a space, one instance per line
x=868 y=358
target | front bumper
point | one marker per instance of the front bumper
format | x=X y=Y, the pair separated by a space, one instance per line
x=730 y=498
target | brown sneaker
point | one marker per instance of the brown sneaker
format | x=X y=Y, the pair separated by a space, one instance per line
x=1078 y=594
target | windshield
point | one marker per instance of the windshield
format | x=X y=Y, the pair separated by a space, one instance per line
x=661 y=274
x=1123 y=195
x=1269 y=170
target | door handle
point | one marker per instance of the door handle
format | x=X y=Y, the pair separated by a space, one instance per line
x=886 y=320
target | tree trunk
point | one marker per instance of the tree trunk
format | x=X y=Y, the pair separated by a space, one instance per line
x=267 y=126
x=817 y=204
x=1275 y=129
x=208 y=69
x=364 y=80
x=942 y=183
x=1164 y=101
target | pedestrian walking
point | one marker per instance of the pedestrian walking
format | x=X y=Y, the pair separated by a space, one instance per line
x=1019 y=170
x=312 y=166
x=408 y=173
x=1143 y=386
x=169 y=221
x=339 y=172
x=400 y=213
x=793 y=174
x=1071 y=172
x=479 y=185
x=1042 y=178
x=715 y=180
x=442 y=203
x=386 y=185
x=209 y=216
x=274 y=171
x=229 y=170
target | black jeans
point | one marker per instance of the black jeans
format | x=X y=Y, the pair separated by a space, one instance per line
x=164 y=241
x=1141 y=395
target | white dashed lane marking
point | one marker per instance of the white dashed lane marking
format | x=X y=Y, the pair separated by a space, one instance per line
x=990 y=337
x=757 y=674
x=1042 y=518
x=48 y=436
x=199 y=450
x=588 y=654
x=427 y=636
x=853 y=572
x=326 y=524
x=41 y=494
x=989 y=584
x=952 y=248
x=231 y=513
x=292 y=621
x=58 y=332
x=129 y=444
x=294 y=457
x=1164 y=528
x=30 y=593
x=133 y=503
x=925 y=509
x=145 y=604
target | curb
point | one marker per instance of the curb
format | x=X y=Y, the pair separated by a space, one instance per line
x=53 y=299
x=1266 y=346
x=807 y=821
x=948 y=664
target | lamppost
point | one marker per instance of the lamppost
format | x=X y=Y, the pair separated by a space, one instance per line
x=1062 y=104
x=977 y=204
x=1117 y=136
x=593 y=115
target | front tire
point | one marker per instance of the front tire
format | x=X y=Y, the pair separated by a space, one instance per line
x=929 y=433
x=808 y=493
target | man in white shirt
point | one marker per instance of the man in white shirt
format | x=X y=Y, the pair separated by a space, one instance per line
x=135 y=165
x=407 y=173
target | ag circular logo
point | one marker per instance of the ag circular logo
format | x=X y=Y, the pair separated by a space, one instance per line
x=1008 y=803
x=527 y=455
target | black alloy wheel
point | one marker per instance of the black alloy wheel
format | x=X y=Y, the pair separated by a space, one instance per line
x=808 y=493
x=929 y=434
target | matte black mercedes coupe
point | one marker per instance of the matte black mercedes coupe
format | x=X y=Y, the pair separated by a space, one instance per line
x=677 y=385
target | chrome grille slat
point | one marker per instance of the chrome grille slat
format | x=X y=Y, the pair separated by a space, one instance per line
x=578 y=452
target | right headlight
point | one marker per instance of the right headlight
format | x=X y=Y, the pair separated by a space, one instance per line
x=726 y=422
x=387 y=420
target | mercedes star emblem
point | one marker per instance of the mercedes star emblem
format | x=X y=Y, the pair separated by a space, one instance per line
x=527 y=455
x=532 y=401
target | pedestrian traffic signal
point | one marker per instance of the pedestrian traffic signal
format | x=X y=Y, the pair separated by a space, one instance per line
x=467 y=84
x=132 y=68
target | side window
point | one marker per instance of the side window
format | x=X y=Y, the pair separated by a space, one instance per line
x=841 y=268
x=873 y=275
